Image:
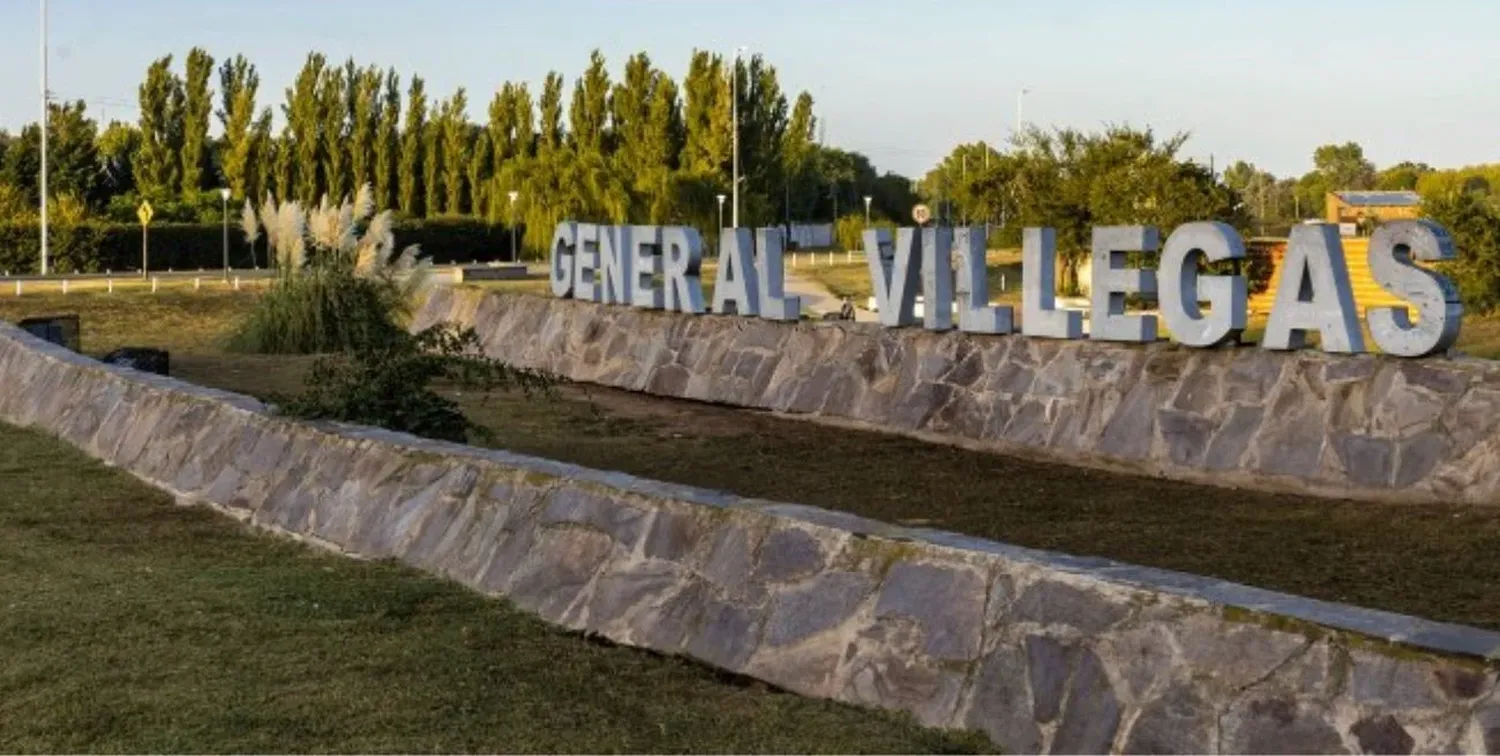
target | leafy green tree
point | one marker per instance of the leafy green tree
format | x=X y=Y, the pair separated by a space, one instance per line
x=455 y=148
x=284 y=164
x=388 y=143
x=412 y=149
x=588 y=116
x=198 y=105
x=303 y=114
x=706 y=117
x=238 y=85
x=480 y=168
x=549 y=127
x=1404 y=175
x=432 y=162
x=72 y=156
x=763 y=124
x=365 y=124
x=118 y=145
x=334 y=112
x=1475 y=226
x=1343 y=166
x=158 y=166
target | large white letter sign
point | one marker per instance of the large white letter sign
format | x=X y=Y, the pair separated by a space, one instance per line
x=645 y=266
x=561 y=262
x=1314 y=294
x=614 y=263
x=1039 y=313
x=975 y=315
x=682 y=258
x=1393 y=249
x=1112 y=281
x=735 y=290
x=1181 y=288
x=895 y=272
x=586 y=262
x=937 y=278
x=774 y=304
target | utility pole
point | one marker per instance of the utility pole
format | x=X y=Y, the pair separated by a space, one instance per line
x=734 y=104
x=44 y=138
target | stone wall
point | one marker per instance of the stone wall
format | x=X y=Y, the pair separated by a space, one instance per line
x=1040 y=650
x=1355 y=426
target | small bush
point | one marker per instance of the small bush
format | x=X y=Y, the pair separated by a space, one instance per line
x=323 y=310
x=391 y=386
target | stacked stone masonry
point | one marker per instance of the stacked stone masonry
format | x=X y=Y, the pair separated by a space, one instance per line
x=1042 y=651
x=1365 y=427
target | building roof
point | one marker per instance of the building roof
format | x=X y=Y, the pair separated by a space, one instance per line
x=1379 y=199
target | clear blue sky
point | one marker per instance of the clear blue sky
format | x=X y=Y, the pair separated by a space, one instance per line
x=900 y=81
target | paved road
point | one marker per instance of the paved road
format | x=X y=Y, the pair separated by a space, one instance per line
x=818 y=300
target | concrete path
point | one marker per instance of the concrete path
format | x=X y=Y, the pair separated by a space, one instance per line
x=818 y=300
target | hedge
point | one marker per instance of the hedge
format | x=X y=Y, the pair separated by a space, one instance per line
x=99 y=247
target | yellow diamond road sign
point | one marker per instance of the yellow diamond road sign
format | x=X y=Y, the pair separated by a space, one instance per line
x=144 y=212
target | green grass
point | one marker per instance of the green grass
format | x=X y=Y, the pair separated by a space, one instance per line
x=853 y=280
x=1431 y=561
x=134 y=625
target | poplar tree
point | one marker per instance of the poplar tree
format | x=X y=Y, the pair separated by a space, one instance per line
x=588 y=115
x=481 y=167
x=455 y=147
x=157 y=166
x=412 y=147
x=388 y=143
x=198 y=107
x=502 y=127
x=365 y=125
x=333 y=107
x=796 y=156
x=706 y=116
x=285 y=165
x=662 y=144
x=302 y=111
x=432 y=162
x=238 y=84
x=549 y=125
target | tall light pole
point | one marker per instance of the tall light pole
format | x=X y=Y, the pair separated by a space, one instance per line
x=224 y=193
x=867 y=209
x=720 y=228
x=44 y=138
x=734 y=104
x=513 y=194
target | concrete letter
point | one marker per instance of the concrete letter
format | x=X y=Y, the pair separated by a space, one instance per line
x=1314 y=294
x=586 y=263
x=895 y=272
x=937 y=278
x=735 y=291
x=1112 y=281
x=1039 y=313
x=561 y=258
x=645 y=266
x=774 y=304
x=615 y=259
x=975 y=315
x=1394 y=248
x=1182 y=288
x=682 y=259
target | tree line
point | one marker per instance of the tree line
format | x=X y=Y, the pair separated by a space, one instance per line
x=640 y=148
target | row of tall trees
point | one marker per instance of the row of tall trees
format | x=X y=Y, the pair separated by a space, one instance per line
x=640 y=147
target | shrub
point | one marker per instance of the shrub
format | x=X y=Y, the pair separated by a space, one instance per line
x=1475 y=226
x=339 y=286
x=390 y=386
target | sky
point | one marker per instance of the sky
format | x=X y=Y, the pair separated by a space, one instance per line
x=902 y=82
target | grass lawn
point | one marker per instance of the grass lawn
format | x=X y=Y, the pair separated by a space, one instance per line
x=1431 y=561
x=541 y=285
x=134 y=625
x=853 y=280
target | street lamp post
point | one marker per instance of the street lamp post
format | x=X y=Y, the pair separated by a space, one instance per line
x=867 y=209
x=734 y=100
x=224 y=193
x=513 y=194
x=44 y=139
x=720 y=229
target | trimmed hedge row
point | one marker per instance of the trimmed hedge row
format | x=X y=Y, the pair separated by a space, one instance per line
x=99 y=247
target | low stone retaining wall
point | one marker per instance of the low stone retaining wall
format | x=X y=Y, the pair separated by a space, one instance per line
x=1362 y=427
x=1042 y=651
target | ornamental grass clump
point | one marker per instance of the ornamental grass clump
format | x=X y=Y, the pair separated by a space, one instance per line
x=339 y=286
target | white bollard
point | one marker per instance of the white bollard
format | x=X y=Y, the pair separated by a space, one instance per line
x=65 y=286
x=197 y=284
x=830 y=257
x=18 y=288
x=110 y=285
x=153 y=284
x=236 y=283
x=848 y=255
x=1002 y=283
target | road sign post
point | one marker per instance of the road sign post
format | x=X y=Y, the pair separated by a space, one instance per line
x=144 y=213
